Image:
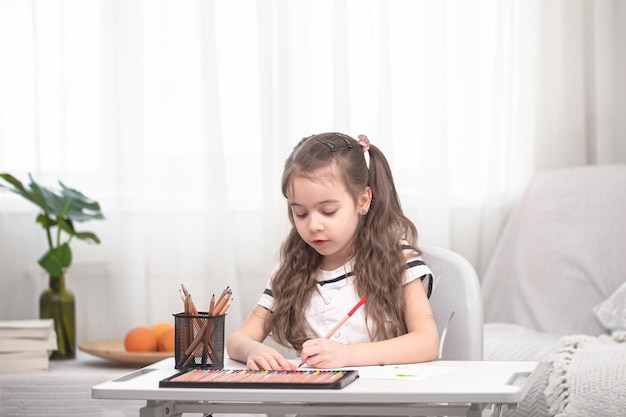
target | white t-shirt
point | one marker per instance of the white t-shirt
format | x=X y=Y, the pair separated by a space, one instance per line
x=336 y=296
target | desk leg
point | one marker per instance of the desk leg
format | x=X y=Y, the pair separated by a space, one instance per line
x=158 y=409
x=498 y=409
x=475 y=410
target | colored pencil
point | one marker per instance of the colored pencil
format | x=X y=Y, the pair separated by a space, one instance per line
x=342 y=321
x=202 y=341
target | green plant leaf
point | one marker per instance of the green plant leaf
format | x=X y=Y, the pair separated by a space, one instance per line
x=81 y=208
x=55 y=260
x=45 y=221
x=18 y=188
x=60 y=209
x=51 y=203
x=90 y=237
x=67 y=226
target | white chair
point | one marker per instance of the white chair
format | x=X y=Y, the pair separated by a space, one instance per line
x=457 y=304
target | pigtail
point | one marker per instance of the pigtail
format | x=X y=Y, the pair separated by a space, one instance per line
x=385 y=197
x=378 y=250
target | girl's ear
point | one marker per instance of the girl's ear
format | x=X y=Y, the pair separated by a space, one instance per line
x=363 y=205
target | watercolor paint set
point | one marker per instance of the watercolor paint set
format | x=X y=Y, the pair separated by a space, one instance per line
x=245 y=378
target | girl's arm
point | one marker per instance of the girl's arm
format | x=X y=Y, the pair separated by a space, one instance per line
x=246 y=344
x=420 y=344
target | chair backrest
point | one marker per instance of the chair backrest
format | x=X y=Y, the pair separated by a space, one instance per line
x=457 y=304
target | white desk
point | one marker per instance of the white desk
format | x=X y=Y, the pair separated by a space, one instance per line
x=453 y=388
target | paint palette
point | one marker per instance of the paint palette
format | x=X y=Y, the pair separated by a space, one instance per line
x=245 y=378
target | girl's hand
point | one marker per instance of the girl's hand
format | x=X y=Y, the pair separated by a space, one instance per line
x=324 y=353
x=265 y=357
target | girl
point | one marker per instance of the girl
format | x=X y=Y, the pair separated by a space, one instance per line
x=350 y=239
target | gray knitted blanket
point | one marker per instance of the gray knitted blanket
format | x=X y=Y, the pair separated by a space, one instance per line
x=588 y=376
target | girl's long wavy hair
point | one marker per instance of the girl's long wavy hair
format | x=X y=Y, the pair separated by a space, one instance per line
x=379 y=264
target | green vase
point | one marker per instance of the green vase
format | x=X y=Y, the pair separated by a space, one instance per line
x=57 y=303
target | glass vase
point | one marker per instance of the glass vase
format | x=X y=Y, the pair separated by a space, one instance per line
x=57 y=303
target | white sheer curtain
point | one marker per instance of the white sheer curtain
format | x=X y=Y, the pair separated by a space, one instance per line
x=177 y=117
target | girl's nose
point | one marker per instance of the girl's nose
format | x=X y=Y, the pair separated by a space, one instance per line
x=316 y=224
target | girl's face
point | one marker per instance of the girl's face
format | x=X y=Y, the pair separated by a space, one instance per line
x=326 y=216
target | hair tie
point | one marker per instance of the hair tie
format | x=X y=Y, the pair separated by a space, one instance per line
x=364 y=142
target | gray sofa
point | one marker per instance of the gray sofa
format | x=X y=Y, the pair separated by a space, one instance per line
x=555 y=292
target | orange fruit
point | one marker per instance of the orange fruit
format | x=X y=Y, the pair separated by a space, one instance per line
x=159 y=327
x=141 y=339
x=166 y=340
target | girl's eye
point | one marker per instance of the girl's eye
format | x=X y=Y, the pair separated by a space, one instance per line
x=328 y=213
x=300 y=216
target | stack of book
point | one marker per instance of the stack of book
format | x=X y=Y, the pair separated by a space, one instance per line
x=26 y=345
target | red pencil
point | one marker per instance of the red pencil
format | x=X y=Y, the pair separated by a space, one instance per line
x=342 y=321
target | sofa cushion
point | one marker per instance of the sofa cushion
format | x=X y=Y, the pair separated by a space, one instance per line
x=612 y=311
x=562 y=251
x=512 y=342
